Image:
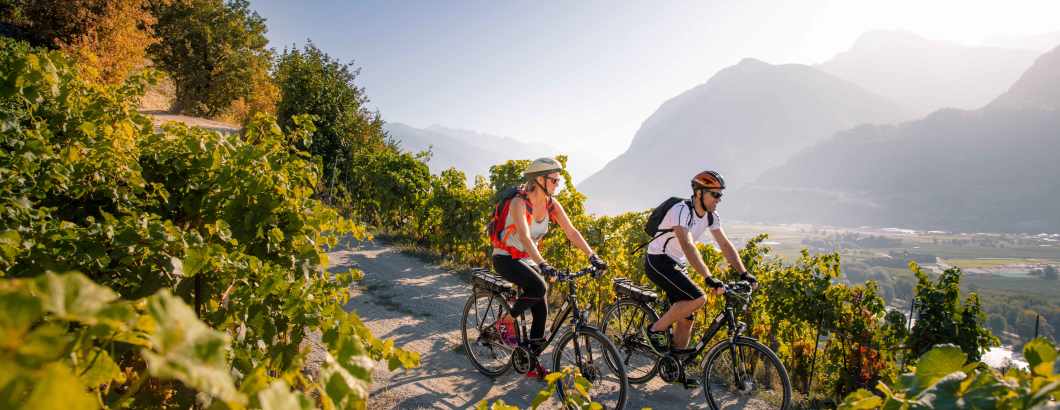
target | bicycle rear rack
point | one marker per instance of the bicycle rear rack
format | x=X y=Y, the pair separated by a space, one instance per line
x=485 y=279
x=627 y=289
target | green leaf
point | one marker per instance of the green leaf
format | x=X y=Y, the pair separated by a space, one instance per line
x=944 y=393
x=936 y=364
x=1040 y=356
x=88 y=128
x=73 y=297
x=18 y=312
x=48 y=342
x=982 y=392
x=184 y=348
x=10 y=244
x=279 y=397
x=543 y=395
x=340 y=385
x=98 y=368
x=195 y=260
x=57 y=388
x=861 y=400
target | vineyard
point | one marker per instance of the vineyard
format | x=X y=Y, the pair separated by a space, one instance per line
x=179 y=267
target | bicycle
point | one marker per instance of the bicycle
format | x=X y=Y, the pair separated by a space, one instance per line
x=737 y=372
x=580 y=346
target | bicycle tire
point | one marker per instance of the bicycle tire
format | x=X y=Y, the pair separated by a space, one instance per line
x=646 y=364
x=484 y=319
x=767 y=399
x=618 y=400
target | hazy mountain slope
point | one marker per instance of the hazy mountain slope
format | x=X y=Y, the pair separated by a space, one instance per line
x=926 y=75
x=993 y=169
x=744 y=120
x=474 y=152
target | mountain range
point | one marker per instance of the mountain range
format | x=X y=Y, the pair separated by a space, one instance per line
x=745 y=119
x=994 y=169
x=925 y=75
x=475 y=152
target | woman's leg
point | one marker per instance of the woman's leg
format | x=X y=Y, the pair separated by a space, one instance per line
x=534 y=289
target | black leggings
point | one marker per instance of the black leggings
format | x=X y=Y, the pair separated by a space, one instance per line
x=534 y=289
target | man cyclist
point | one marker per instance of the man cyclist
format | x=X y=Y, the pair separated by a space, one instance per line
x=669 y=254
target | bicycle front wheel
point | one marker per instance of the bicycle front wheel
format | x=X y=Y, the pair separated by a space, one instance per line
x=593 y=357
x=745 y=375
x=483 y=344
x=623 y=324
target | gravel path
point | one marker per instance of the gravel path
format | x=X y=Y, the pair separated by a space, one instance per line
x=419 y=305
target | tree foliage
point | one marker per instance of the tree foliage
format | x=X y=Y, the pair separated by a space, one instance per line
x=214 y=50
x=347 y=134
x=109 y=38
x=942 y=318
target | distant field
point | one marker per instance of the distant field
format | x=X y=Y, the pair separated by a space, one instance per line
x=1033 y=286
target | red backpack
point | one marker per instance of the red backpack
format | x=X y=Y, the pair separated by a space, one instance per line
x=498 y=232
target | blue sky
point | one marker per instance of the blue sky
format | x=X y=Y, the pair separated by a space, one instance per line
x=583 y=75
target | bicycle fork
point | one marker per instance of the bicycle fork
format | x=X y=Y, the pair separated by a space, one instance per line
x=741 y=380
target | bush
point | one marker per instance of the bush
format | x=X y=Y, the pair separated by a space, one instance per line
x=944 y=379
x=226 y=224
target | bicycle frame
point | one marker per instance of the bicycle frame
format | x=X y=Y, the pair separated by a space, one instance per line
x=570 y=306
x=727 y=318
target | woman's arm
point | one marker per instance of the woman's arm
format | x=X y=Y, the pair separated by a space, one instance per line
x=522 y=230
x=573 y=235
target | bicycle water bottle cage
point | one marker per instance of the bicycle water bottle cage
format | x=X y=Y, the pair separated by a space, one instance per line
x=627 y=289
x=485 y=279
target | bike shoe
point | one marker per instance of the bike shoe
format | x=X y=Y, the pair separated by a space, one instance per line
x=658 y=341
x=538 y=372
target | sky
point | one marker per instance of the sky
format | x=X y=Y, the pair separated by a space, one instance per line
x=583 y=75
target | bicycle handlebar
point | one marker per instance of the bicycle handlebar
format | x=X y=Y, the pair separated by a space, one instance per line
x=565 y=276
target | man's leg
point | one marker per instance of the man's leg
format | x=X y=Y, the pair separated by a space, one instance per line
x=682 y=333
x=678 y=310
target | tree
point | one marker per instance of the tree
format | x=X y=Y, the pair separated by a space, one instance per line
x=942 y=318
x=214 y=51
x=109 y=38
x=1048 y=272
x=311 y=82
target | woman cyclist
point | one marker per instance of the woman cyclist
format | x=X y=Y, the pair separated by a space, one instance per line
x=515 y=253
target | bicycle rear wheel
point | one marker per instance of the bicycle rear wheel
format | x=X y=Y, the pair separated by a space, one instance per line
x=745 y=375
x=596 y=360
x=482 y=343
x=622 y=323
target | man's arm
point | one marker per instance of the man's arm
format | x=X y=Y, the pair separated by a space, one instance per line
x=728 y=250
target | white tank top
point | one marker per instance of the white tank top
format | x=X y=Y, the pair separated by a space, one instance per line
x=538 y=229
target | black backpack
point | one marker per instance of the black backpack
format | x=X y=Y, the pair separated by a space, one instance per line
x=657 y=215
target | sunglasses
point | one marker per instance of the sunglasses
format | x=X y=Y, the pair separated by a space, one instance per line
x=714 y=194
x=554 y=180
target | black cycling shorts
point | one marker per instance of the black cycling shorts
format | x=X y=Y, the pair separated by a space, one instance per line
x=668 y=275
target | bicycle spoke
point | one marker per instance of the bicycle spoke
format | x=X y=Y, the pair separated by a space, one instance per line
x=735 y=379
x=588 y=354
x=482 y=343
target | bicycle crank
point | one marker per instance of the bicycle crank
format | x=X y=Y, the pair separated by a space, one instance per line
x=671 y=369
x=522 y=360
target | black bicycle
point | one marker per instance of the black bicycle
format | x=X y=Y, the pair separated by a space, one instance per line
x=737 y=372
x=581 y=346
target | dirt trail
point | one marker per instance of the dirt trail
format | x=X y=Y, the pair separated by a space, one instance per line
x=419 y=306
